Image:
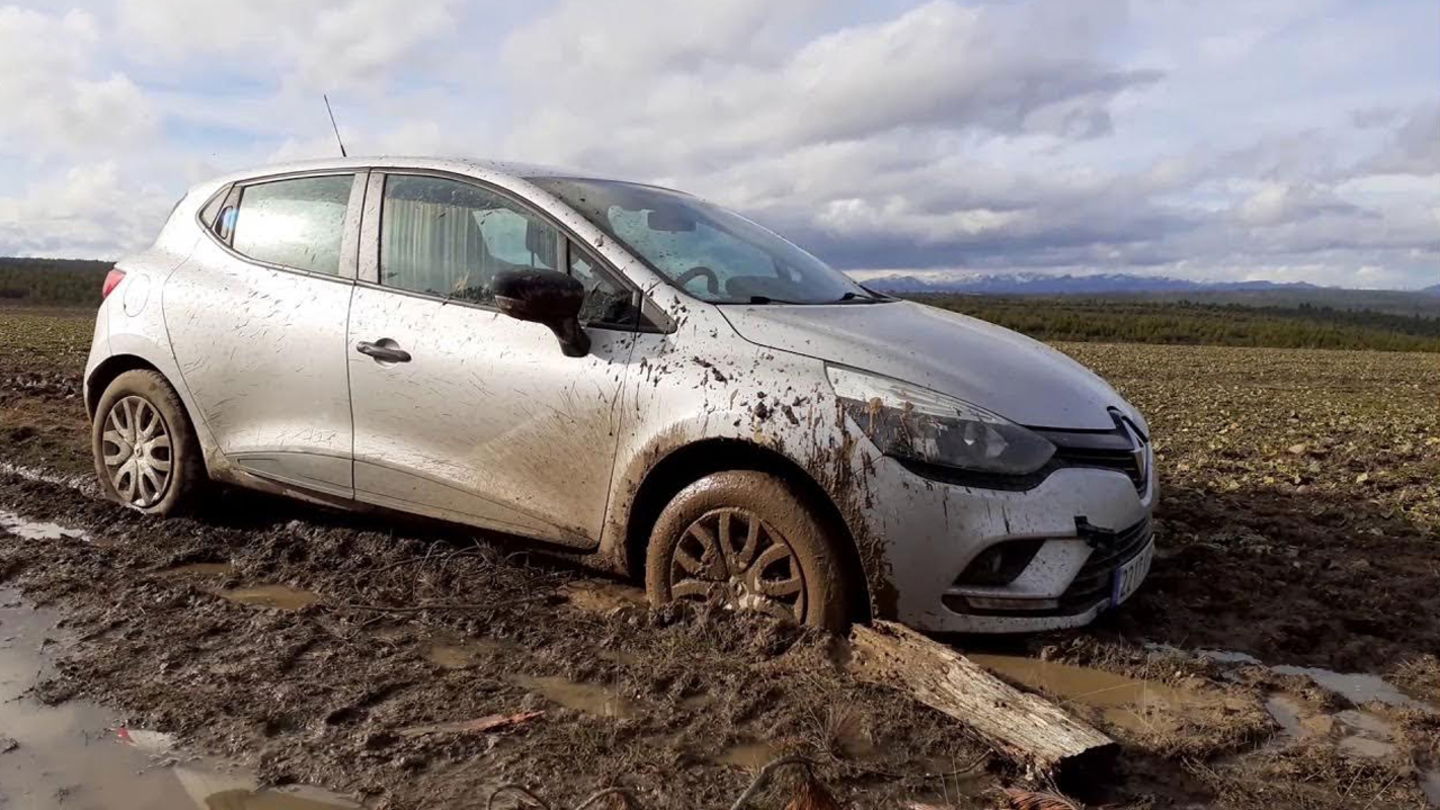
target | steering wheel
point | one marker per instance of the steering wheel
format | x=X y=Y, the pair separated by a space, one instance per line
x=712 y=281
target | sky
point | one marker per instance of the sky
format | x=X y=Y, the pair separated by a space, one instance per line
x=1216 y=140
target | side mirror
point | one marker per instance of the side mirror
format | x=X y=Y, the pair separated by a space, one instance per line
x=548 y=297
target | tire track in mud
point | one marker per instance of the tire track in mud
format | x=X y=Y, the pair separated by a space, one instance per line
x=324 y=693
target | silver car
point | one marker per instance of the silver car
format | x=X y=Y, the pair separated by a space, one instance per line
x=621 y=371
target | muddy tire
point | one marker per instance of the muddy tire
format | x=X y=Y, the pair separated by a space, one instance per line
x=749 y=540
x=146 y=454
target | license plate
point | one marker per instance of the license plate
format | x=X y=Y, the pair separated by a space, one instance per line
x=1129 y=576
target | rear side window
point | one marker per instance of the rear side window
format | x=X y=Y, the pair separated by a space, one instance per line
x=449 y=238
x=295 y=223
x=211 y=212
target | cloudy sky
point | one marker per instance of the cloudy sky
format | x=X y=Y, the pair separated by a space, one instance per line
x=1293 y=140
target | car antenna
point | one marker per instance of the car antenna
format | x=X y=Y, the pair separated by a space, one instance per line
x=333 y=126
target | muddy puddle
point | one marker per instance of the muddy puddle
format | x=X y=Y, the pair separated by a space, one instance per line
x=77 y=754
x=279 y=597
x=27 y=529
x=1357 y=687
x=461 y=654
x=1126 y=706
x=586 y=697
x=1129 y=704
x=751 y=756
x=1357 y=733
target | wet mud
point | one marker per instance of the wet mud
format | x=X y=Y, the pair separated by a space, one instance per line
x=297 y=642
x=1281 y=655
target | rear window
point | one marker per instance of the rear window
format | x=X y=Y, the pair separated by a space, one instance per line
x=295 y=223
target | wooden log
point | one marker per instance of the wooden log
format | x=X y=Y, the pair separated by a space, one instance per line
x=1025 y=727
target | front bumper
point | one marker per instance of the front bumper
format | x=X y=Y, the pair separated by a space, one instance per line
x=1092 y=522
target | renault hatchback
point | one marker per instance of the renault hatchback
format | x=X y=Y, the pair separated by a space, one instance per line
x=620 y=371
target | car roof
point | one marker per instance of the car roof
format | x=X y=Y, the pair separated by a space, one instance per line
x=458 y=165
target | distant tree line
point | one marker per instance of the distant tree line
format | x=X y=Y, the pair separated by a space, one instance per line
x=52 y=282
x=1127 y=320
x=1120 y=319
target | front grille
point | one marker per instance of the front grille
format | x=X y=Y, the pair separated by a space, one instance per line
x=1092 y=583
x=1123 y=461
x=1124 y=449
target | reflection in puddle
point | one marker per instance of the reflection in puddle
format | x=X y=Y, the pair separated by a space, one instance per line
x=211 y=790
x=1358 y=688
x=281 y=597
x=1128 y=703
x=585 y=697
x=66 y=757
x=27 y=529
x=1362 y=734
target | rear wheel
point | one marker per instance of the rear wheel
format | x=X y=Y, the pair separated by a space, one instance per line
x=750 y=541
x=146 y=453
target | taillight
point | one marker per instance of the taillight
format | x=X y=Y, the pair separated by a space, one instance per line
x=112 y=280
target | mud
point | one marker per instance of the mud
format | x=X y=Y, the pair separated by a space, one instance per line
x=323 y=693
x=1312 y=596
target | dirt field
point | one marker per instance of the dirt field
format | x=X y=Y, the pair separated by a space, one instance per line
x=1299 y=534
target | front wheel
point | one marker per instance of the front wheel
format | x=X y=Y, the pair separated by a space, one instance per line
x=146 y=453
x=750 y=541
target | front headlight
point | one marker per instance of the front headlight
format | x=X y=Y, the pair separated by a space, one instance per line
x=910 y=422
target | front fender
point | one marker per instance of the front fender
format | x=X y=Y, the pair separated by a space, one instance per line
x=778 y=402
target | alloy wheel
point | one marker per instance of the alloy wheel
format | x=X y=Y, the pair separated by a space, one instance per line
x=137 y=452
x=732 y=556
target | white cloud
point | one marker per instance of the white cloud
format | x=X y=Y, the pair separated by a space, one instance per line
x=1289 y=139
x=1415 y=146
x=325 y=44
x=86 y=210
x=57 y=97
x=941 y=65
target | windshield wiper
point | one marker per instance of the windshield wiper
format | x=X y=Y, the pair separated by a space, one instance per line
x=765 y=299
x=859 y=298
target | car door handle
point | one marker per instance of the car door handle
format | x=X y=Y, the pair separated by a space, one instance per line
x=383 y=350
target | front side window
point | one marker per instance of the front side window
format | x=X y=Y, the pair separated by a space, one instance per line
x=296 y=223
x=448 y=238
x=607 y=301
x=711 y=253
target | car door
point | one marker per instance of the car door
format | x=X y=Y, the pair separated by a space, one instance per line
x=256 y=318
x=461 y=412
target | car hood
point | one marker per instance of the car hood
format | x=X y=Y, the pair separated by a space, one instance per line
x=1019 y=378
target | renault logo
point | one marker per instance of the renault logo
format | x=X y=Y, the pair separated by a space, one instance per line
x=1137 y=443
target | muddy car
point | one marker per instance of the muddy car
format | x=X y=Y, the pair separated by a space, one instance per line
x=622 y=372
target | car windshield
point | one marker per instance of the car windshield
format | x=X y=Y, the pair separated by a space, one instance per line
x=711 y=253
